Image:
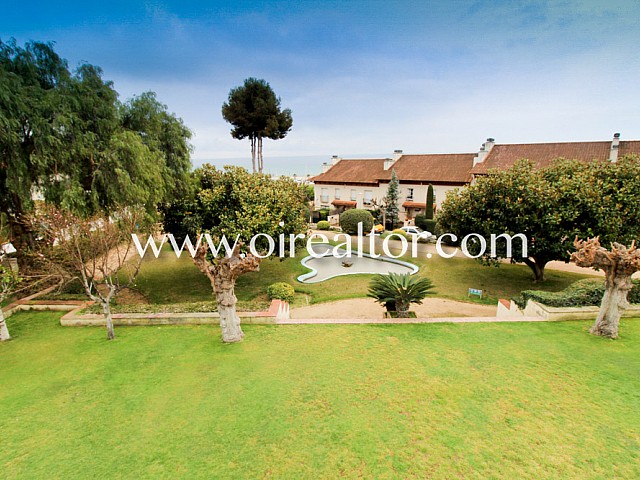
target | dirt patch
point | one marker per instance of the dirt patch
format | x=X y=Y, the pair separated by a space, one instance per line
x=367 y=308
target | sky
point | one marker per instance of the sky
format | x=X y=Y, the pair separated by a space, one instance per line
x=363 y=78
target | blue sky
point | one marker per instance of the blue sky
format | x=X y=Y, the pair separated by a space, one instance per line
x=365 y=77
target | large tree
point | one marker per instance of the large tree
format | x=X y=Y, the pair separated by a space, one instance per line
x=165 y=133
x=254 y=111
x=65 y=136
x=237 y=205
x=551 y=206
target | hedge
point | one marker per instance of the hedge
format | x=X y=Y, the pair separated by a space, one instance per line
x=281 y=291
x=349 y=221
x=324 y=225
x=583 y=293
x=429 y=225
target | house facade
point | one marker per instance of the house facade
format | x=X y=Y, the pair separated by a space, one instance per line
x=363 y=183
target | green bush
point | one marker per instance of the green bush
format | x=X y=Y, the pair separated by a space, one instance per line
x=349 y=221
x=324 y=225
x=429 y=225
x=281 y=291
x=583 y=293
x=399 y=231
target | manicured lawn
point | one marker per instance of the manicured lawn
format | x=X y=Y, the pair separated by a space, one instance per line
x=171 y=280
x=503 y=401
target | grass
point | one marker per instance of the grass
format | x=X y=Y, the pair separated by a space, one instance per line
x=474 y=401
x=172 y=280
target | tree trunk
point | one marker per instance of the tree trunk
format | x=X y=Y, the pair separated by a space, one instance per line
x=402 y=309
x=229 y=319
x=106 y=310
x=260 y=162
x=222 y=274
x=253 y=153
x=614 y=302
x=537 y=267
x=4 y=331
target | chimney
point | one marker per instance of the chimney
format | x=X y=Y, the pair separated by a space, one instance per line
x=388 y=162
x=484 y=151
x=335 y=159
x=325 y=167
x=615 y=144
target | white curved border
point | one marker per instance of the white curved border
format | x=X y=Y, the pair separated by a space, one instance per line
x=305 y=276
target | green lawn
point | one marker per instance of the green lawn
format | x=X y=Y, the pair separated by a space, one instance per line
x=172 y=280
x=473 y=401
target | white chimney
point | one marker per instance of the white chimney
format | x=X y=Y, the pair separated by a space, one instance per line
x=388 y=162
x=484 y=151
x=325 y=167
x=615 y=145
x=335 y=159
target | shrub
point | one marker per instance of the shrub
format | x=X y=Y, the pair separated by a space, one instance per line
x=324 y=225
x=349 y=221
x=281 y=291
x=400 y=290
x=399 y=231
x=583 y=293
x=429 y=225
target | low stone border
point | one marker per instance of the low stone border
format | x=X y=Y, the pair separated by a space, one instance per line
x=278 y=310
x=509 y=309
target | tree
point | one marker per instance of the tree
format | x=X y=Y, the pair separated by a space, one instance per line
x=9 y=280
x=65 y=136
x=390 y=202
x=254 y=111
x=164 y=133
x=236 y=205
x=549 y=206
x=97 y=250
x=400 y=290
x=350 y=219
x=619 y=264
x=429 y=206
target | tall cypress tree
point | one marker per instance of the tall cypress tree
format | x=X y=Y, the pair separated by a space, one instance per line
x=429 y=209
x=391 y=209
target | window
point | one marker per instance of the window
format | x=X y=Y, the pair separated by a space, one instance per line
x=368 y=197
x=324 y=196
x=337 y=195
x=409 y=193
x=353 y=195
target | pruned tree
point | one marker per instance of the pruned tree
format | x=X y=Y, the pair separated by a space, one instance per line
x=255 y=112
x=97 y=250
x=390 y=201
x=238 y=206
x=9 y=280
x=619 y=264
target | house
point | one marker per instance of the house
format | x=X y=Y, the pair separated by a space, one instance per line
x=363 y=183
x=497 y=156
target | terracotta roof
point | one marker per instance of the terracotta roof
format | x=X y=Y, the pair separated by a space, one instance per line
x=443 y=168
x=628 y=147
x=542 y=154
x=414 y=205
x=353 y=171
x=344 y=203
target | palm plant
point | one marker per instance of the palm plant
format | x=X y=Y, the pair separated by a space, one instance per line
x=399 y=289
